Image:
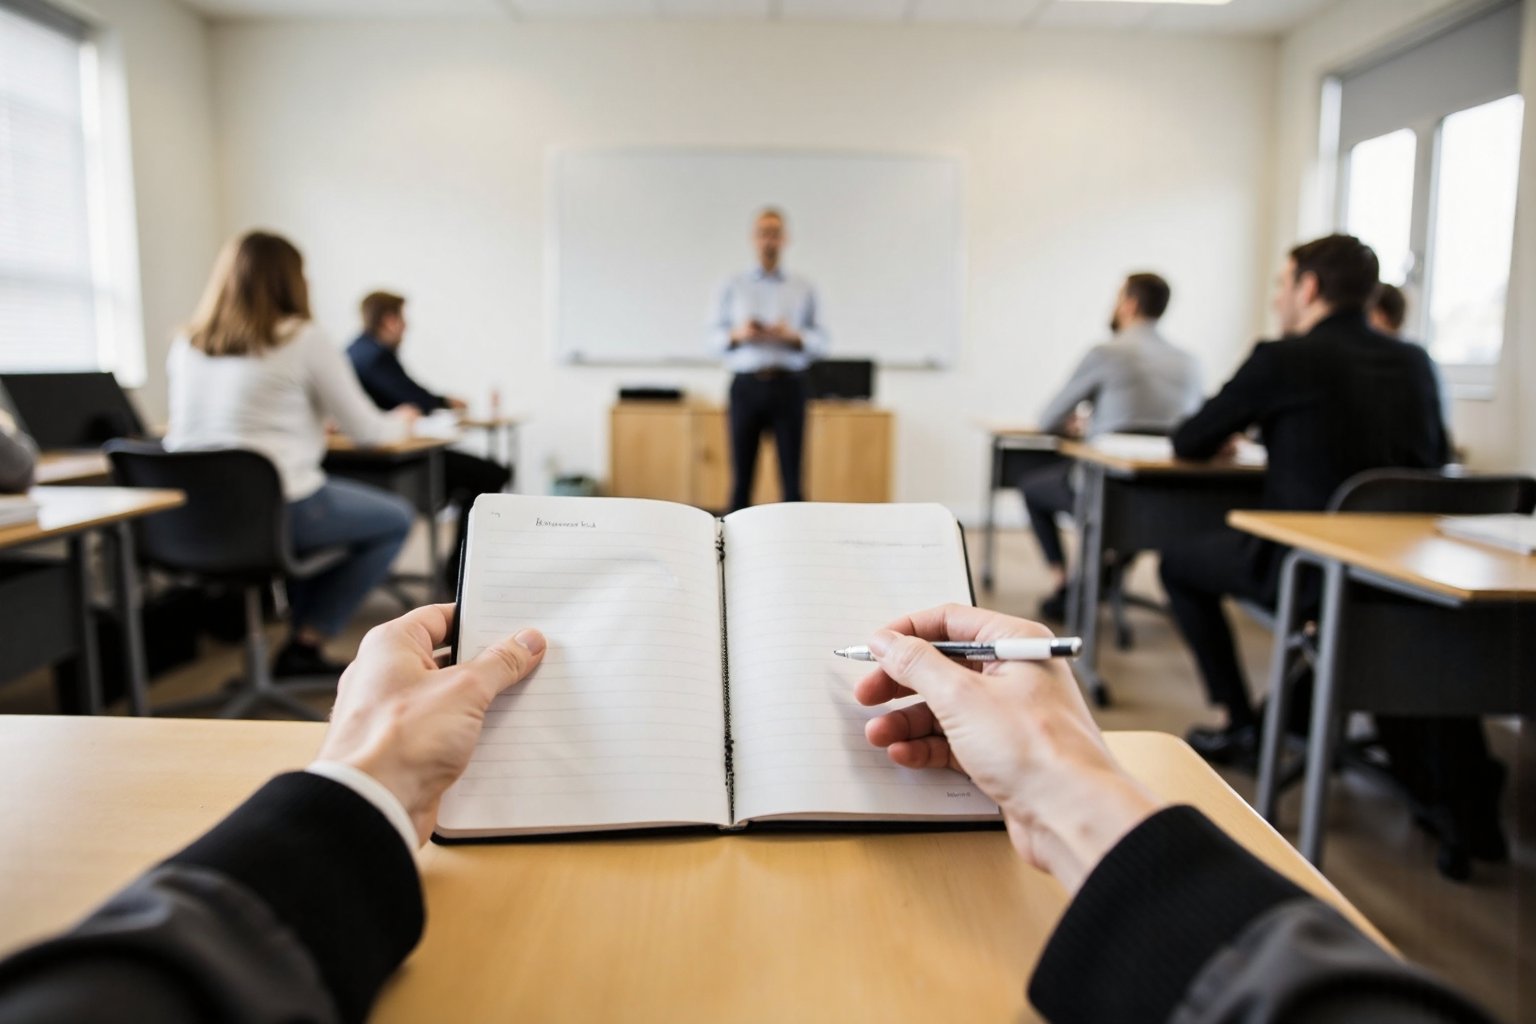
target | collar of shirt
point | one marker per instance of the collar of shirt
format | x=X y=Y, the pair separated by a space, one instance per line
x=759 y=274
x=1137 y=332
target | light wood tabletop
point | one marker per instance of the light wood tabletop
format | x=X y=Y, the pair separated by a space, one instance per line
x=341 y=444
x=1019 y=434
x=489 y=422
x=850 y=926
x=71 y=467
x=1402 y=547
x=66 y=510
x=1139 y=464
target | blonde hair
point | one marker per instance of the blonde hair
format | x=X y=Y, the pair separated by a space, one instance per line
x=256 y=284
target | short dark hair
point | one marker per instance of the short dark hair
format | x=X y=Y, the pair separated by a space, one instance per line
x=1346 y=269
x=378 y=305
x=1150 y=292
x=1391 y=303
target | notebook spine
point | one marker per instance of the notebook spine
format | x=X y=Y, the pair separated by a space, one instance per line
x=725 y=677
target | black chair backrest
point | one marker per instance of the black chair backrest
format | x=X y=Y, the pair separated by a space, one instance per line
x=1432 y=492
x=234 y=525
x=71 y=410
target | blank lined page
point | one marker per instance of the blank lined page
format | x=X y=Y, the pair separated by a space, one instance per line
x=800 y=581
x=623 y=724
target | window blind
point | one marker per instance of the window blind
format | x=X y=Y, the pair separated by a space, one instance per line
x=49 y=288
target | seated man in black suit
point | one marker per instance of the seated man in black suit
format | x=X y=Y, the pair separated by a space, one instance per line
x=1334 y=398
x=375 y=357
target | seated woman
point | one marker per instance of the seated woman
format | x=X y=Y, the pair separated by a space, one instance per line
x=254 y=371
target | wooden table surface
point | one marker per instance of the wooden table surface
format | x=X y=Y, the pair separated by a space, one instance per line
x=1403 y=547
x=1085 y=451
x=71 y=467
x=341 y=444
x=66 y=510
x=1024 y=435
x=922 y=927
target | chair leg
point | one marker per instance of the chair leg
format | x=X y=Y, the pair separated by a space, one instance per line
x=1279 y=691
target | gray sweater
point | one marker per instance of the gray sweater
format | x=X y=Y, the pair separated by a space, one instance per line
x=1137 y=380
x=18 y=459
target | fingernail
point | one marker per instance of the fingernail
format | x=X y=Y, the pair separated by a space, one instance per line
x=532 y=639
x=881 y=642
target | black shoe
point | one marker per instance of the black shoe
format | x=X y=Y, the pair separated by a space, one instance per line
x=298 y=659
x=1234 y=745
x=1054 y=608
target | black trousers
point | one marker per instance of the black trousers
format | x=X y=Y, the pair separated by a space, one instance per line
x=466 y=477
x=766 y=402
x=1047 y=493
x=1196 y=574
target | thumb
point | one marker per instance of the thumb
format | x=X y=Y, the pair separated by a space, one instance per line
x=506 y=662
x=916 y=664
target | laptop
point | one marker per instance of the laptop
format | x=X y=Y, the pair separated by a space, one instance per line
x=63 y=411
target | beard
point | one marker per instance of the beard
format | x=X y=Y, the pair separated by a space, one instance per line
x=1114 y=323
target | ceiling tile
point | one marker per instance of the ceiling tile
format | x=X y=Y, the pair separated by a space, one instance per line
x=552 y=10
x=1256 y=17
x=1103 y=15
x=843 y=10
x=715 y=10
x=975 y=12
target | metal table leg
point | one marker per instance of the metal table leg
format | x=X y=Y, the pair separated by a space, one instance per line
x=1083 y=589
x=989 y=534
x=129 y=600
x=1322 y=734
x=89 y=681
x=1279 y=692
x=435 y=501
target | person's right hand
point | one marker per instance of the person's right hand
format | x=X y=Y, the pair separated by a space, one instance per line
x=1020 y=730
x=407 y=414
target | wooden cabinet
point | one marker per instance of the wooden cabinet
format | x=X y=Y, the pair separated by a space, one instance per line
x=680 y=451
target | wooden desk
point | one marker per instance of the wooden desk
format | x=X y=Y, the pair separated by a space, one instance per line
x=1472 y=626
x=1013 y=452
x=72 y=513
x=680 y=451
x=411 y=468
x=1127 y=504
x=501 y=433
x=919 y=927
x=57 y=468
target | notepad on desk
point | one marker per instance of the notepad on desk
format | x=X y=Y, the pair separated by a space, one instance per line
x=17 y=510
x=689 y=678
x=1512 y=532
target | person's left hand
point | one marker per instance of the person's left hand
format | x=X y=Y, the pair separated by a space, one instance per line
x=410 y=724
x=456 y=404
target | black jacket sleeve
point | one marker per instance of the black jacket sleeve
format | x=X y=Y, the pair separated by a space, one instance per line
x=1179 y=923
x=387 y=383
x=295 y=908
x=1240 y=403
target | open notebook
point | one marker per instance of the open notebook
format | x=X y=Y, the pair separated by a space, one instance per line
x=690 y=678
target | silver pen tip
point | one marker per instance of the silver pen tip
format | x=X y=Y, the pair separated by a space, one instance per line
x=841 y=652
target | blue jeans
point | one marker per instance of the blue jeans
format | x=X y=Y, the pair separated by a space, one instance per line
x=371 y=524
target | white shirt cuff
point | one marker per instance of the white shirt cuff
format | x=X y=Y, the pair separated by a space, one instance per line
x=375 y=792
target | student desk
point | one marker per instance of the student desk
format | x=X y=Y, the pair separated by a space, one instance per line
x=72 y=467
x=887 y=927
x=72 y=514
x=501 y=434
x=413 y=469
x=1127 y=504
x=1013 y=452
x=1472 y=632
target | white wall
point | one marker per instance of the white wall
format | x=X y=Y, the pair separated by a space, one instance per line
x=1340 y=36
x=159 y=51
x=412 y=155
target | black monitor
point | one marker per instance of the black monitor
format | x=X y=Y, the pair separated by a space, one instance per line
x=71 y=410
x=842 y=378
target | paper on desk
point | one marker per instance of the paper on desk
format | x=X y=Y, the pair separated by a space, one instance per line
x=442 y=425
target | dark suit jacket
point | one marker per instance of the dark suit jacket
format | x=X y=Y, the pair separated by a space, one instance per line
x=1332 y=403
x=385 y=380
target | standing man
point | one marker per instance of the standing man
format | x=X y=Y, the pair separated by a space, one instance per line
x=375 y=357
x=1137 y=381
x=767 y=329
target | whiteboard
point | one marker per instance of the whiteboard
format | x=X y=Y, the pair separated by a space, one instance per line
x=642 y=240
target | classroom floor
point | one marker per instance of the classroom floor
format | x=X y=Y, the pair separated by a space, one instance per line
x=1482 y=934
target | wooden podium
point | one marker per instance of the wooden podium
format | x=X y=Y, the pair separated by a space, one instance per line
x=680 y=451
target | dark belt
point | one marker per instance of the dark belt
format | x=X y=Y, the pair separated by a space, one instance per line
x=771 y=373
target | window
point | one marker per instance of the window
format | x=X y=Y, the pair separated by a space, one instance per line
x=1473 y=231
x=1429 y=143
x=64 y=300
x=1379 y=200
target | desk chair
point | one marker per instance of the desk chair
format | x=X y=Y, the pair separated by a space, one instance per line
x=232 y=530
x=1377 y=619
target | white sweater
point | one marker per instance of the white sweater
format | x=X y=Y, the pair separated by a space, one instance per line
x=275 y=403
